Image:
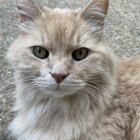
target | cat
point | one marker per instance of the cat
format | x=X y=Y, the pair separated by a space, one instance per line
x=69 y=84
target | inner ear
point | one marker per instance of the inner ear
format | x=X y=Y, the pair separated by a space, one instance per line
x=95 y=12
x=29 y=10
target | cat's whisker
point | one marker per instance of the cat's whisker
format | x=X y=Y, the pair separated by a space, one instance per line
x=38 y=7
x=99 y=82
x=28 y=86
x=24 y=80
x=92 y=95
x=70 y=85
x=95 y=79
x=94 y=87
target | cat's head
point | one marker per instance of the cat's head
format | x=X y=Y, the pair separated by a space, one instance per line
x=58 y=51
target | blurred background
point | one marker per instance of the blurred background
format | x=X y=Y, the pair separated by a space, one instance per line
x=121 y=32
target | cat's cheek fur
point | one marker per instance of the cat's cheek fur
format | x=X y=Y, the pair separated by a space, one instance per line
x=49 y=86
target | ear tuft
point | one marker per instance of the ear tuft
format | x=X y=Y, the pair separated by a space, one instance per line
x=95 y=12
x=28 y=10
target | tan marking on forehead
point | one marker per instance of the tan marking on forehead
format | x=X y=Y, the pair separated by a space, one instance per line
x=61 y=28
x=64 y=29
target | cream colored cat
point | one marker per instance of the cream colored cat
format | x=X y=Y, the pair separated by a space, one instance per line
x=69 y=85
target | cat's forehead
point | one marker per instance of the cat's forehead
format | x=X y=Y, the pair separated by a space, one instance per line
x=62 y=26
x=40 y=24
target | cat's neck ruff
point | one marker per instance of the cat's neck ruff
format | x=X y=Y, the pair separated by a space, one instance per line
x=52 y=118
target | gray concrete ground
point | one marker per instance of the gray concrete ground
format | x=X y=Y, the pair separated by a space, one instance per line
x=122 y=32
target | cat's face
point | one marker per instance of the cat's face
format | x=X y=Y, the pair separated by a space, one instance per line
x=57 y=52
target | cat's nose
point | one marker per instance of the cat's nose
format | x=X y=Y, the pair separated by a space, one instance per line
x=59 y=77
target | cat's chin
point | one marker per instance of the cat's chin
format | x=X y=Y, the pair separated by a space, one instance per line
x=59 y=92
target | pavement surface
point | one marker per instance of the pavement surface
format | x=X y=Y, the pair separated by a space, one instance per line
x=122 y=32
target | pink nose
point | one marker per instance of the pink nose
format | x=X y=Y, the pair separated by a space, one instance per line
x=59 y=77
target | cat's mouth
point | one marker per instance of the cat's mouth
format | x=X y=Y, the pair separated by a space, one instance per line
x=57 y=87
x=60 y=90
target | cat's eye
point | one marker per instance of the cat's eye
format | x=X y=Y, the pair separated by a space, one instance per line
x=40 y=52
x=80 y=54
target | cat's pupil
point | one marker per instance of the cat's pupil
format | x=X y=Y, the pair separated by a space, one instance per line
x=80 y=52
x=39 y=51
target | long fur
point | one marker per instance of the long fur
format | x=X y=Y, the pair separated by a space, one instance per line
x=99 y=99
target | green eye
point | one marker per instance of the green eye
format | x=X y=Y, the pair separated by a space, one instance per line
x=40 y=52
x=80 y=54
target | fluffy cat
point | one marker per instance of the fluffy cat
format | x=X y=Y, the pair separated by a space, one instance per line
x=69 y=85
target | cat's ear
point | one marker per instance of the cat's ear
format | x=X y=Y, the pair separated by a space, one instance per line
x=95 y=12
x=28 y=10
